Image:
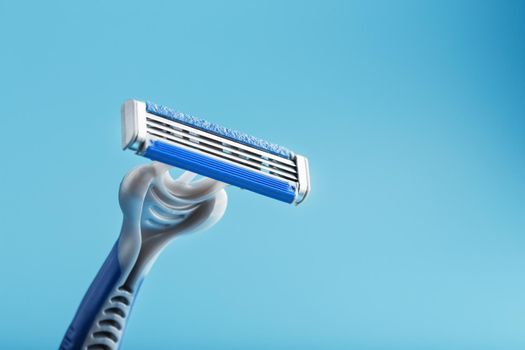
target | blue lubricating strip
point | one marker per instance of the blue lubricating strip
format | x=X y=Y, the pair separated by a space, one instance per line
x=215 y=169
x=219 y=130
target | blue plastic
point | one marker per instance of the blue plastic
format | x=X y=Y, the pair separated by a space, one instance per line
x=97 y=294
x=219 y=130
x=250 y=180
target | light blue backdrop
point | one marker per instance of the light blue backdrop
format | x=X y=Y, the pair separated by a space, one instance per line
x=412 y=115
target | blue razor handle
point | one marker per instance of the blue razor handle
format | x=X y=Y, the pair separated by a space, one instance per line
x=106 y=305
x=156 y=208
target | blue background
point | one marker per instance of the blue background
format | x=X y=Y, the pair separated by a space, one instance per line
x=412 y=115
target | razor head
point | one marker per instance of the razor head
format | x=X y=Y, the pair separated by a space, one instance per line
x=211 y=150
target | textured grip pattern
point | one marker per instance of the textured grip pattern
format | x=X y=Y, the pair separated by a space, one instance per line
x=108 y=327
x=97 y=294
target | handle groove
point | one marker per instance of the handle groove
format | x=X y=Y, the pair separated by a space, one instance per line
x=109 y=324
x=101 y=317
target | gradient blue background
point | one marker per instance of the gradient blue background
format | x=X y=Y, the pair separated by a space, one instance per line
x=412 y=115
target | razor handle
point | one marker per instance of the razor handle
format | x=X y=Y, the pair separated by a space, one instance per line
x=100 y=320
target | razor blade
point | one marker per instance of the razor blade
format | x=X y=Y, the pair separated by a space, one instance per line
x=162 y=134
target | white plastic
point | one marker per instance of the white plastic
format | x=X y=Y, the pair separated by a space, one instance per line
x=156 y=209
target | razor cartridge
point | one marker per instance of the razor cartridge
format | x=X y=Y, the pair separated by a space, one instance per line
x=162 y=134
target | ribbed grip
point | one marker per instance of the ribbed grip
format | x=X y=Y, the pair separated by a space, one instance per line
x=109 y=324
x=105 y=281
x=101 y=318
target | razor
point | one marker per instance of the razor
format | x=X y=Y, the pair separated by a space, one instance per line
x=157 y=208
